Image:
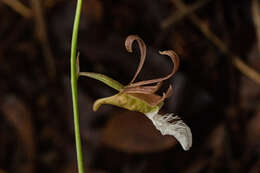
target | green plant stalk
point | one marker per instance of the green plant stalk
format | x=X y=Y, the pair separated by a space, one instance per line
x=74 y=78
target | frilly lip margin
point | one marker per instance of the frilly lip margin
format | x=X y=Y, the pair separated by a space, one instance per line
x=172 y=125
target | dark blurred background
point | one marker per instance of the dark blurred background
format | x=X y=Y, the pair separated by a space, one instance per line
x=216 y=91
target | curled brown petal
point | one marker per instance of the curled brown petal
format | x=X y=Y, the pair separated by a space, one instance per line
x=153 y=99
x=169 y=92
x=165 y=96
x=128 y=44
x=143 y=89
x=176 y=61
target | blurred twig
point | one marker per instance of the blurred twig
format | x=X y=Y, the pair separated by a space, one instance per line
x=17 y=6
x=177 y=16
x=237 y=62
x=42 y=34
x=256 y=19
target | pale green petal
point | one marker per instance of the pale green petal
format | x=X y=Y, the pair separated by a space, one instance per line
x=103 y=78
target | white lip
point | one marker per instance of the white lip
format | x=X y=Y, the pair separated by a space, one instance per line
x=178 y=128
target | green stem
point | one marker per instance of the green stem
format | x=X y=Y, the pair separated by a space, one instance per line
x=74 y=78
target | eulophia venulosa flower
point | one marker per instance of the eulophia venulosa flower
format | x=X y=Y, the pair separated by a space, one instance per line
x=140 y=96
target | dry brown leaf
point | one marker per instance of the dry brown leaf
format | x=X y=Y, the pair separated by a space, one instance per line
x=132 y=132
x=19 y=116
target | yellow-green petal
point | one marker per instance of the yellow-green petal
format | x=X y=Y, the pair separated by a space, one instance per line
x=126 y=101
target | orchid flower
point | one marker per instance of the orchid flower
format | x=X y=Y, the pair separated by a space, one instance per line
x=140 y=96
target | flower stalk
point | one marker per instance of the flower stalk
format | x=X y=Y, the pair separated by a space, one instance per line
x=74 y=78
